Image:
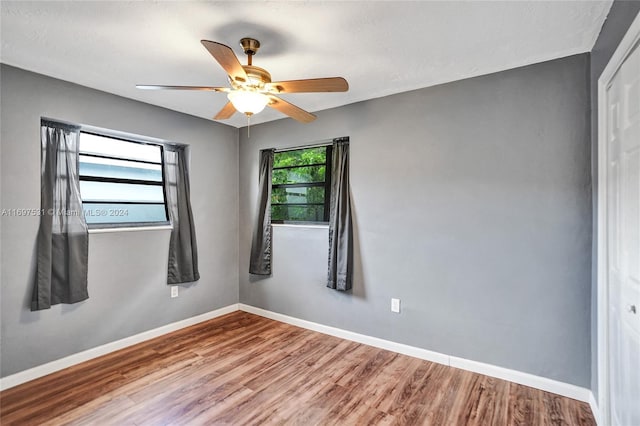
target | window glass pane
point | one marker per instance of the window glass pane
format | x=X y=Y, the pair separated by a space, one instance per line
x=299 y=175
x=107 y=191
x=124 y=213
x=103 y=145
x=292 y=200
x=313 y=194
x=298 y=213
x=300 y=157
x=114 y=203
x=106 y=167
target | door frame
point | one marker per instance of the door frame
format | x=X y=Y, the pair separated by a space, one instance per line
x=622 y=52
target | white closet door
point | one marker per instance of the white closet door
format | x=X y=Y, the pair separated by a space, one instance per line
x=623 y=205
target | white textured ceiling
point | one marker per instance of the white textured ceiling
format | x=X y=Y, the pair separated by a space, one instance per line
x=381 y=48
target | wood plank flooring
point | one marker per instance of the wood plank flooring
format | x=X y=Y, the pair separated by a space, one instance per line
x=243 y=369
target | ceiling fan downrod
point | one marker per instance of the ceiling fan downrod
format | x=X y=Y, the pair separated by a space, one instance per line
x=250 y=47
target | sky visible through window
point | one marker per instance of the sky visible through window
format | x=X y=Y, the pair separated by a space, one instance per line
x=121 y=181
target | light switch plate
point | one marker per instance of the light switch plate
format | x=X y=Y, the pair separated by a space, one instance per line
x=395 y=305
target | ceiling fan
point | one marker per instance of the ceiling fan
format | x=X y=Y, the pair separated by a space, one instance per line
x=251 y=87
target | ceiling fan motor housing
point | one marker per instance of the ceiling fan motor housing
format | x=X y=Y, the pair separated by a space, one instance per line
x=258 y=77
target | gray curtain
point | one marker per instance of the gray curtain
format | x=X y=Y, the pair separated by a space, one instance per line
x=260 y=261
x=63 y=238
x=340 y=274
x=183 y=250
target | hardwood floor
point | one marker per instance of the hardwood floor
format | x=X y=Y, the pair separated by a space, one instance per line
x=244 y=369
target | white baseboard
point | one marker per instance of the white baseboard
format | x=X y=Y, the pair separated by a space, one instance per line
x=537 y=382
x=68 y=361
x=543 y=383
x=350 y=335
x=526 y=379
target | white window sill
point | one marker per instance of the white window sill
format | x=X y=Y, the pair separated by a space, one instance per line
x=301 y=225
x=130 y=229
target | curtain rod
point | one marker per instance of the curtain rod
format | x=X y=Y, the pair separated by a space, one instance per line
x=59 y=123
x=110 y=133
x=325 y=142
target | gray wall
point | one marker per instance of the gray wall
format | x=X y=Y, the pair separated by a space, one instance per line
x=621 y=15
x=127 y=270
x=472 y=204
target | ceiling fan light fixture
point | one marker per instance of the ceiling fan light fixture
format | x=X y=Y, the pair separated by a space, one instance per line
x=248 y=102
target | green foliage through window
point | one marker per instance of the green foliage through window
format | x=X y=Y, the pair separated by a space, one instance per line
x=300 y=189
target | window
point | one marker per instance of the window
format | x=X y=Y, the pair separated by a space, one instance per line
x=121 y=181
x=301 y=185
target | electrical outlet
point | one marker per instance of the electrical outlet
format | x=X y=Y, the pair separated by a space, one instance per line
x=395 y=305
x=174 y=291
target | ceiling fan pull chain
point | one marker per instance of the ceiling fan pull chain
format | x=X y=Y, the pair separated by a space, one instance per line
x=248 y=126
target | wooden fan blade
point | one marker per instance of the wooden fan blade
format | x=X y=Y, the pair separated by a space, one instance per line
x=227 y=59
x=226 y=112
x=291 y=110
x=332 y=84
x=207 y=88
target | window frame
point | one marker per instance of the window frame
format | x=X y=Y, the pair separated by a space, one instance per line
x=326 y=184
x=130 y=139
